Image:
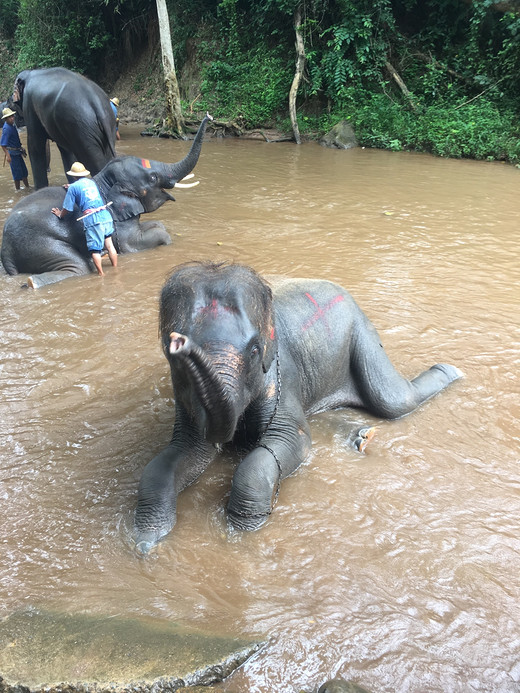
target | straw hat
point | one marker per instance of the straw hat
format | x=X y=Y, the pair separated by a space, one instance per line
x=6 y=113
x=78 y=170
x=115 y=101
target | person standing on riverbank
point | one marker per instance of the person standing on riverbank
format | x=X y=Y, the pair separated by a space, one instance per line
x=97 y=220
x=114 y=102
x=14 y=152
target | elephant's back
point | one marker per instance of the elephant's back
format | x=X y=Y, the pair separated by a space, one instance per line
x=32 y=234
x=290 y=291
x=36 y=204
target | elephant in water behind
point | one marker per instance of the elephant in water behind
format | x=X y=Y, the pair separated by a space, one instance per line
x=70 y=109
x=36 y=242
x=248 y=365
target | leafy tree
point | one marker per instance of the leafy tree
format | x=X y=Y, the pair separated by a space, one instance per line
x=70 y=34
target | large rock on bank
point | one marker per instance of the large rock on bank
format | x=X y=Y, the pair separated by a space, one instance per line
x=342 y=136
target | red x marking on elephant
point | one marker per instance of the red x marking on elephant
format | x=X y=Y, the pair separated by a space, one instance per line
x=320 y=312
x=214 y=307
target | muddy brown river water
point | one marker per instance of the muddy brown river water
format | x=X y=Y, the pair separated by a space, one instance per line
x=400 y=568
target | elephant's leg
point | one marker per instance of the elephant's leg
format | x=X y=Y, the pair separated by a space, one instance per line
x=67 y=263
x=383 y=391
x=68 y=159
x=37 y=148
x=36 y=281
x=257 y=478
x=48 y=154
x=153 y=233
x=171 y=471
x=133 y=235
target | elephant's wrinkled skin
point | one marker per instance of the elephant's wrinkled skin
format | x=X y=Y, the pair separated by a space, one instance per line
x=248 y=366
x=36 y=242
x=70 y=109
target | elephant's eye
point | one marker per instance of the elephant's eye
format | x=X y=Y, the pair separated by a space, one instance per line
x=153 y=177
x=255 y=350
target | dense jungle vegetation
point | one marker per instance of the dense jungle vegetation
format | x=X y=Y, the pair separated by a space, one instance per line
x=440 y=76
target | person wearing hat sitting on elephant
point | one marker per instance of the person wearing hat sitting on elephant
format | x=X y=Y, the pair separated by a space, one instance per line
x=114 y=102
x=14 y=152
x=97 y=220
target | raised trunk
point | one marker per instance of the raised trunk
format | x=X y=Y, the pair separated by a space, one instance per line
x=186 y=165
x=210 y=390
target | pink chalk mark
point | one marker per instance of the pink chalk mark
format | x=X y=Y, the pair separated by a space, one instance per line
x=320 y=312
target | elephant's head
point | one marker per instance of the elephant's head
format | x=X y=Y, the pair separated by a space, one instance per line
x=17 y=98
x=135 y=186
x=216 y=326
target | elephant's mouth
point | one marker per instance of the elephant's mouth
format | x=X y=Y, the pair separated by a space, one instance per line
x=153 y=200
x=167 y=195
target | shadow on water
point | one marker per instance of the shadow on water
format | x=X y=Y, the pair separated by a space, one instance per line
x=398 y=569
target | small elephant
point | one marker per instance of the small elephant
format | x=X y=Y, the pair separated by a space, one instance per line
x=36 y=242
x=248 y=365
x=70 y=109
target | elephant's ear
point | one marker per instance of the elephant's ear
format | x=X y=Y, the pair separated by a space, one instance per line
x=269 y=348
x=124 y=205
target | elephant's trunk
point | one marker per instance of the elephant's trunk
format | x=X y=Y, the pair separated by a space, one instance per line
x=182 y=168
x=214 y=383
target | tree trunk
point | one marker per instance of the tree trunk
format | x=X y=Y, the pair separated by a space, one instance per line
x=300 y=64
x=174 y=120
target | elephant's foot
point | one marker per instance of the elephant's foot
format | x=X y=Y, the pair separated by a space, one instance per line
x=152 y=525
x=146 y=538
x=247 y=523
x=452 y=372
x=363 y=437
x=254 y=490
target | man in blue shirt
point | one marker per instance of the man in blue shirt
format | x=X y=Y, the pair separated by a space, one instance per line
x=97 y=220
x=13 y=149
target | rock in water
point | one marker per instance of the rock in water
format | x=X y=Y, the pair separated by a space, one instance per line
x=62 y=652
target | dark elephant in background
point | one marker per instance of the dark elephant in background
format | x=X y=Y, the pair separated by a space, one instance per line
x=36 y=242
x=70 y=109
x=248 y=365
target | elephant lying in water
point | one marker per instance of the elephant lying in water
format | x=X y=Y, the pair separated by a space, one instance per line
x=248 y=365
x=36 y=242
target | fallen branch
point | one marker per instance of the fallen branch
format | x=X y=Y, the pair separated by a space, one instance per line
x=402 y=86
x=445 y=68
x=478 y=95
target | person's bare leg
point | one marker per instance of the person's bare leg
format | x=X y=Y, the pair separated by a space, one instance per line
x=96 y=259
x=17 y=185
x=112 y=253
x=26 y=182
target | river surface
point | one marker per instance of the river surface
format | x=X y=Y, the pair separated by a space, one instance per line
x=400 y=568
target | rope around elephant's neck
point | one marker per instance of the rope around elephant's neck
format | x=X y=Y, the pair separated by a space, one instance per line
x=275 y=410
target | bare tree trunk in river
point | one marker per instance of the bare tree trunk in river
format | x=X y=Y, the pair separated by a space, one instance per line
x=174 y=120
x=300 y=64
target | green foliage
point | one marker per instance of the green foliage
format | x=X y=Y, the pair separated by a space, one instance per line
x=68 y=34
x=478 y=131
x=459 y=60
x=355 y=48
x=251 y=92
x=8 y=18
